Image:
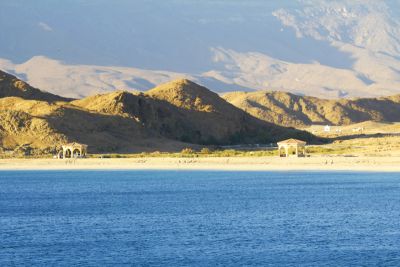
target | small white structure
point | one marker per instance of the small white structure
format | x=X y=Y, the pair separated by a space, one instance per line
x=358 y=130
x=327 y=128
x=292 y=147
x=73 y=150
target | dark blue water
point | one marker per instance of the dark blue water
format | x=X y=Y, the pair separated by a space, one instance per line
x=152 y=218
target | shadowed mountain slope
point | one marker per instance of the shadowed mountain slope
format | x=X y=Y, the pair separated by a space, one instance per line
x=292 y=110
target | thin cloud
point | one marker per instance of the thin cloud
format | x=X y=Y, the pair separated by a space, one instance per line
x=45 y=26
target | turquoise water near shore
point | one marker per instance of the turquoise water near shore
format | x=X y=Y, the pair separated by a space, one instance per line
x=199 y=218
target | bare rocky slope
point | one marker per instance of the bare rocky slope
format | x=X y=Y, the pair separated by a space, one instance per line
x=185 y=111
x=43 y=127
x=293 y=110
x=168 y=118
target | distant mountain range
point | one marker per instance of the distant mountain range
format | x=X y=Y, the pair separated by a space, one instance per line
x=322 y=48
x=167 y=118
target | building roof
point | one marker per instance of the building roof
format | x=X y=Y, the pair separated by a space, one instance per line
x=74 y=144
x=292 y=141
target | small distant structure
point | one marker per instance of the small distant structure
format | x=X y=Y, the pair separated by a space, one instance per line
x=327 y=128
x=358 y=130
x=292 y=147
x=73 y=150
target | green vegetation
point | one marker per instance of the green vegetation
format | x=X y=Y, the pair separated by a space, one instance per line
x=330 y=150
x=190 y=153
x=347 y=148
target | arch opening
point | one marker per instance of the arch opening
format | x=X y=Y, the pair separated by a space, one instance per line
x=68 y=153
x=76 y=153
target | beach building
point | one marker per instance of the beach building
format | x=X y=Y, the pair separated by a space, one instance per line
x=73 y=150
x=292 y=147
x=327 y=128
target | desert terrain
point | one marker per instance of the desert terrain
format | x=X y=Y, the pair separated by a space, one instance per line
x=182 y=125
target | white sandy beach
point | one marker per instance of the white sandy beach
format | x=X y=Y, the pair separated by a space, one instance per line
x=318 y=163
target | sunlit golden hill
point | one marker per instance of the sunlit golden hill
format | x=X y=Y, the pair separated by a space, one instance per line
x=185 y=111
x=43 y=127
x=168 y=118
x=293 y=110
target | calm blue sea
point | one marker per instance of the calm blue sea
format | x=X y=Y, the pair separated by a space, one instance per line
x=199 y=218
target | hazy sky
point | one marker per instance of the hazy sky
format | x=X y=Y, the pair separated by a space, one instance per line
x=171 y=35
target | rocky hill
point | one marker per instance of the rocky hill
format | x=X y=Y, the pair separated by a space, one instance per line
x=168 y=118
x=43 y=127
x=185 y=111
x=293 y=110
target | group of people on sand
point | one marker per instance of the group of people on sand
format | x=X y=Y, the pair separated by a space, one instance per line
x=326 y=162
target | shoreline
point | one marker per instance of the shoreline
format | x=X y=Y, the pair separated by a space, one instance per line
x=316 y=163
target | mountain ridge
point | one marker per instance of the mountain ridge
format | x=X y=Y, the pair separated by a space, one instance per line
x=289 y=109
x=173 y=116
x=185 y=111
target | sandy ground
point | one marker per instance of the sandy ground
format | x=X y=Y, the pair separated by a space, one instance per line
x=319 y=163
